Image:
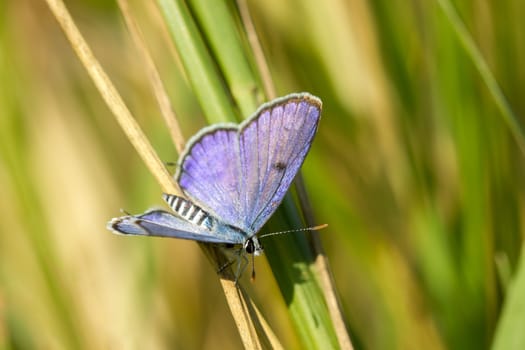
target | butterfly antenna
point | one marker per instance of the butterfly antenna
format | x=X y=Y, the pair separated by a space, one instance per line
x=125 y=212
x=314 y=228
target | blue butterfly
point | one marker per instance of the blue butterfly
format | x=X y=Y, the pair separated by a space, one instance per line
x=234 y=176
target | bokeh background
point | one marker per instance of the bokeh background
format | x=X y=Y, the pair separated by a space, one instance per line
x=415 y=168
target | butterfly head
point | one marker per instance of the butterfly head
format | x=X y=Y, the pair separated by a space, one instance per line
x=253 y=246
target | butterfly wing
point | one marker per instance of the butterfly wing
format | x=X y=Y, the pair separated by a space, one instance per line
x=209 y=172
x=160 y=223
x=273 y=148
x=241 y=174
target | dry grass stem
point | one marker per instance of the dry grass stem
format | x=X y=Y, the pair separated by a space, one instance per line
x=323 y=269
x=154 y=77
x=257 y=50
x=112 y=98
x=265 y=327
x=252 y=327
x=254 y=330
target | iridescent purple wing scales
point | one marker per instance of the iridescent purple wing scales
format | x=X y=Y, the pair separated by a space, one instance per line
x=210 y=172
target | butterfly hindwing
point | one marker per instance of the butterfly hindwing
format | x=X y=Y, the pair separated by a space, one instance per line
x=161 y=223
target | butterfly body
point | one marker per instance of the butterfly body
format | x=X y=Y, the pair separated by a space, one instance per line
x=234 y=177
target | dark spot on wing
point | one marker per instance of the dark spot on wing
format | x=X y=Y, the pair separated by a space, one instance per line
x=280 y=166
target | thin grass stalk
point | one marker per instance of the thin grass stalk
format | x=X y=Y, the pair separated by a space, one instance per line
x=258 y=53
x=291 y=258
x=249 y=324
x=258 y=335
x=509 y=332
x=272 y=338
x=112 y=97
x=326 y=278
x=486 y=74
x=220 y=32
x=154 y=77
x=204 y=78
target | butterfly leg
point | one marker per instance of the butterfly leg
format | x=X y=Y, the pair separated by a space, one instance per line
x=242 y=262
x=225 y=266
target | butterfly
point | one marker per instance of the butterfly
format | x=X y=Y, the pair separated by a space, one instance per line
x=234 y=177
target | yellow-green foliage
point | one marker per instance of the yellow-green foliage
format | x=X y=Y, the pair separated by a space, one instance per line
x=418 y=168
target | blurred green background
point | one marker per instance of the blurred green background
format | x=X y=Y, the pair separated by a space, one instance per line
x=414 y=169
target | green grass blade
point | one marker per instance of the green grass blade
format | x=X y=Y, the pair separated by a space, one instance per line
x=220 y=31
x=509 y=333
x=486 y=74
x=291 y=260
x=204 y=77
